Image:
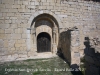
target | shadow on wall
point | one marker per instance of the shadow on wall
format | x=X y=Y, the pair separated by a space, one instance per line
x=65 y=53
x=93 y=0
x=92 y=63
x=85 y=0
x=64 y=46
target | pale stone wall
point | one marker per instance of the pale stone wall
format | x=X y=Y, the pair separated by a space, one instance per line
x=16 y=16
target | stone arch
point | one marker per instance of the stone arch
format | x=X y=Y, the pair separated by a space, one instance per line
x=49 y=25
x=33 y=17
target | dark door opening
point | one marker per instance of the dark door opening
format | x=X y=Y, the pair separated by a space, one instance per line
x=43 y=42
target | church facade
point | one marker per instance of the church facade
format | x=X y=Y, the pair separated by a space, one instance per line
x=41 y=28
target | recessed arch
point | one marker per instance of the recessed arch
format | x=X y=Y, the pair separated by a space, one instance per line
x=46 y=17
x=48 y=13
x=44 y=21
x=51 y=27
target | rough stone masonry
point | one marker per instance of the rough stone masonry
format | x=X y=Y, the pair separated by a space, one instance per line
x=21 y=21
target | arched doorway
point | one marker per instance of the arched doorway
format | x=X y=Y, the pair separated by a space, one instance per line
x=41 y=26
x=43 y=42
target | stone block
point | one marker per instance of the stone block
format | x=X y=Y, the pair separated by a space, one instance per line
x=13 y=49
x=6 y=43
x=7 y=21
x=43 y=0
x=24 y=46
x=26 y=31
x=4 y=26
x=2 y=31
x=5 y=51
x=32 y=3
x=13 y=10
x=15 y=56
x=13 y=26
x=16 y=36
x=7 y=18
x=58 y=13
x=50 y=7
x=10 y=14
x=46 y=4
x=31 y=53
x=25 y=2
x=52 y=4
x=22 y=6
x=23 y=10
x=56 y=8
x=76 y=54
x=13 y=18
x=22 y=56
x=2 y=6
x=21 y=48
x=21 y=52
x=25 y=36
x=57 y=4
x=15 y=6
x=1 y=21
x=51 y=1
x=63 y=16
x=0 y=14
x=19 y=2
x=17 y=48
x=36 y=3
x=8 y=6
x=31 y=6
x=8 y=1
x=2 y=36
x=4 y=10
x=23 y=26
x=11 y=43
x=42 y=7
x=8 y=31
x=13 y=21
x=1 y=43
x=22 y=41
x=18 y=45
x=19 y=30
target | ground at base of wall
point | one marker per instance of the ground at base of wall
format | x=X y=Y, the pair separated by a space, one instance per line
x=50 y=66
x=16 y=57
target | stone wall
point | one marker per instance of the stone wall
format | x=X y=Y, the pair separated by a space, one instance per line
x=17 y=15
x=65 y=45
x=69 y=44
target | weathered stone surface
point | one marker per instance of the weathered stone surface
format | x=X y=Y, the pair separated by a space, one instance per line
x=2 y=31
x=1 y=43
x=17 y=17
x=4 y=26
x=8 y=1
x=16 y=36
x=8 y=31
x=6 y=43
x=17 y=45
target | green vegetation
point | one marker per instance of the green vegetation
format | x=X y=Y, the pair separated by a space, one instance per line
x=35 y=67
x=83 y=65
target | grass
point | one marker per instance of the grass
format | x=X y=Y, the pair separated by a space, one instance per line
x=83 y=65
x=35 y=67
